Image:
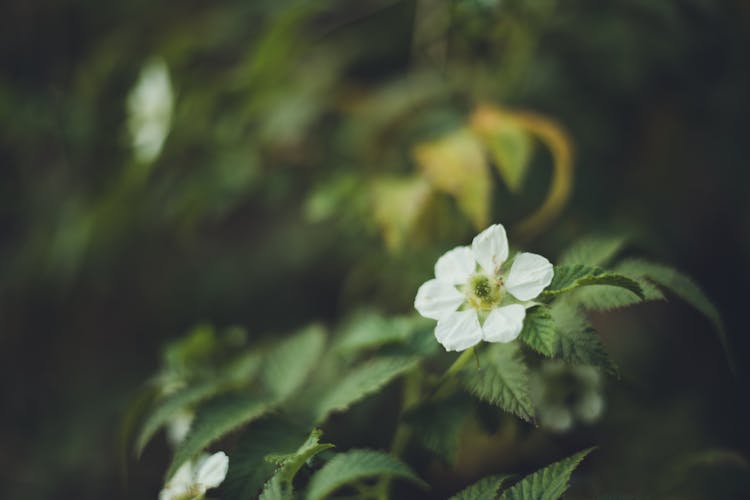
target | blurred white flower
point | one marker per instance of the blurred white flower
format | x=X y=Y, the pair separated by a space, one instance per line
x=477 y=294
x=178 y=427
x=192 y=479
x=566 y=394
x=150 y=105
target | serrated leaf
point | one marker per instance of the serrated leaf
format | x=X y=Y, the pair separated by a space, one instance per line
x=539 y=331
x=578 y=342
x=288 y=364
x=502 y=380
x=568 y=278
x=686 y=289
x=455 y=164
x=361 y=382
x=593 y=251
x=437 y=425
x=484 y=489
x=346 y=468
x=216 y=419
x=171 y=405
x=546 y=484
x=248 y=467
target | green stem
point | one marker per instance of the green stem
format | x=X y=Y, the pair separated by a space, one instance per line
x=458 y=364
x=411 y=398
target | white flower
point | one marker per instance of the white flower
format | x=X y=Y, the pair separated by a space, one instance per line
x=477 y=294
x=193 y=479
x=150 y=106
x=179 y=426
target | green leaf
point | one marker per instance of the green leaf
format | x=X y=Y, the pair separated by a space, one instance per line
x=511 y=149
x=346 y=468
x=455 y=163
x=502 y=380
x=239 y=371
x=437 y=425
x=578 y=342
x=539 y=331
x=292 y=462
x=546 y=484
x=171 y=405
x=593 y=251
x=568 y=278
x=248 y=467
x=361 y=382
x=216 y=419
x=607 y=298
x=288 y=365
x=686 y=289
x=369 y=329
x=484 y=489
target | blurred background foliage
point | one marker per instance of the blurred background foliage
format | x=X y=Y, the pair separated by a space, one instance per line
x=317 y=158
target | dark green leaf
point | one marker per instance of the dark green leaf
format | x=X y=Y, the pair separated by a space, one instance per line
x=346 y=468
x=546 y=484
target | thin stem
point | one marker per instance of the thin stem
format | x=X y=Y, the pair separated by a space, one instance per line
x=411 y=398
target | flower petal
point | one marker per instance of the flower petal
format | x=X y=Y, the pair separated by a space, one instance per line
x=173 y=492
x=455 y=266
x=504 y=324
x=490 y=248
x=459 y=331
x=435 y=299
x=212 y=471
x=183 y=477
x=528 y=276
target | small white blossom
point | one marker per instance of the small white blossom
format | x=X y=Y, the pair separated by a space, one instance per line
x=192 y=479
x=150 y=106
x=179 y=426
x=477 y=294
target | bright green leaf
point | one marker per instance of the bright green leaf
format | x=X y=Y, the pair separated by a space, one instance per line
x=484 y=489
x=546 y=484
x=539 y=331
x=502 y=380
x=346 y=468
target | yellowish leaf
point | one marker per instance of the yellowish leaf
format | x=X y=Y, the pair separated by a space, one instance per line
x=456 y=164
x=397 y=205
